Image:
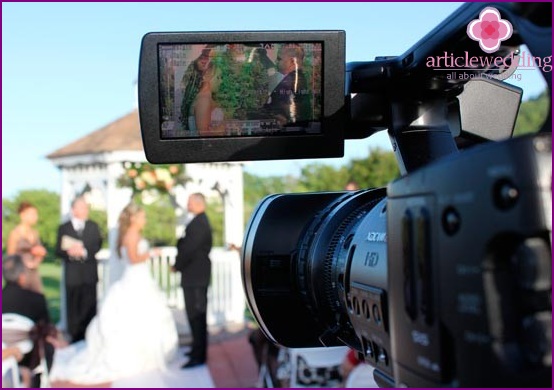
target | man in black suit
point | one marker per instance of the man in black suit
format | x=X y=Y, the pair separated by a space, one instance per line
x=194 y=263
x=289 y=102
x=78 y=242
x=18 y=298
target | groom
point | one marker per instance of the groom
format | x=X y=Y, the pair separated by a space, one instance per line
x=195 y=266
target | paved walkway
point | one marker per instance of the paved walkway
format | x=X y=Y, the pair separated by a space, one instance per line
x=198 y=377
x=231 y=360
x=231 y=364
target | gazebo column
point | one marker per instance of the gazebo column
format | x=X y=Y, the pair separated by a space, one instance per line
x=234 y=206
x=179 y=198
x=234 y=232
x=65 y=205
x=227 y=180
x=67 y=193
x=117 y=199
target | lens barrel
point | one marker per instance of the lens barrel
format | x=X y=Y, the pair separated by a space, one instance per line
x=298 y=255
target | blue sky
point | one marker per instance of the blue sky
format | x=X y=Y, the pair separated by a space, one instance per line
x=70 y=68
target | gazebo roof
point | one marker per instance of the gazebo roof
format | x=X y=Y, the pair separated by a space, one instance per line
x=122 y=134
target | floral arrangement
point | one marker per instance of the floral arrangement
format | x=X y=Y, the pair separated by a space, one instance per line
x=152 y=178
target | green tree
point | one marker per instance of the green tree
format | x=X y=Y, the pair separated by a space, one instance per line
x=376 y=170
x=532 y=114
x=160 y=228
x=243 y=88
x=215 y=213
x=321 y=177
x=101 y=218
x=257 y=187
x=9 y=220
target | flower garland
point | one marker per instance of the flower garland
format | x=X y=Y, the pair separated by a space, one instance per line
x=146 y=177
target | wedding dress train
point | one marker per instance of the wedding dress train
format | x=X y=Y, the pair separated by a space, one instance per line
x=133 y=332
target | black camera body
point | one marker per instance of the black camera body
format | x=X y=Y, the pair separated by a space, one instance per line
x=470 y=270
x=431 y=281
x=444 y=278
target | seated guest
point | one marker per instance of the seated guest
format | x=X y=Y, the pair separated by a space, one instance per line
x=18 y=298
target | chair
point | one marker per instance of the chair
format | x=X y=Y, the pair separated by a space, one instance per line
x=268 y=367
x=311 y=367
x=15 y=331
x=10 y=372
x=361 y=377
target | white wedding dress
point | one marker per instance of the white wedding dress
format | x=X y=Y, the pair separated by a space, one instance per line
x=133 y=333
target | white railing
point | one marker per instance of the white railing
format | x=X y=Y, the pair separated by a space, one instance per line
x=226 y=300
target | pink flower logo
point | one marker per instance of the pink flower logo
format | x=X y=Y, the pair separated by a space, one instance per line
x=489 y=30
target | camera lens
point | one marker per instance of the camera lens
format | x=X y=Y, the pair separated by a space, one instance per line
x=305 y=258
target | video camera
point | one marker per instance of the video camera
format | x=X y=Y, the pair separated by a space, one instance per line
x=441 y=279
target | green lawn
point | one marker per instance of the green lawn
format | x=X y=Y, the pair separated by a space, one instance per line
x=51 y=274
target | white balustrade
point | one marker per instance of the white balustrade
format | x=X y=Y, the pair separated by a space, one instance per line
x=226 y=300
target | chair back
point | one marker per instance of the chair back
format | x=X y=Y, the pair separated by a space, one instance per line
x=15 y=331
x=10 y=373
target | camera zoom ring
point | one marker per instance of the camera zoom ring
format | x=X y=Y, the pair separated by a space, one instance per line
x=331 y=272
x=314 y=229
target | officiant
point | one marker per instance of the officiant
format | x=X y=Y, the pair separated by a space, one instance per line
x=78 y=242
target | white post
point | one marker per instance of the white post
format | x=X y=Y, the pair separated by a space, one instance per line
x=116 y=200
x=65 y=206
x=179 y=198
x=234 y=205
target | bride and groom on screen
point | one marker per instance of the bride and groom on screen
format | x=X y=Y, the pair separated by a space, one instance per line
x=255 y=93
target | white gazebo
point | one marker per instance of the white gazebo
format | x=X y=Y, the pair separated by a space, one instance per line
x=91 y=166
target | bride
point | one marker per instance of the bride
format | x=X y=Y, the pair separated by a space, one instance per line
x=133 y=332
x=207 y=117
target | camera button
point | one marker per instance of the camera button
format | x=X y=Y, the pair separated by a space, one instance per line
x=535 y=339
x=376 y=314
x=383 y=358
x=451 y=221
x=533 y=264
x=505 y=194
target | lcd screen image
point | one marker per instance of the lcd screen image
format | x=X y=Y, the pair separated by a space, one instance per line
x=250 y=89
